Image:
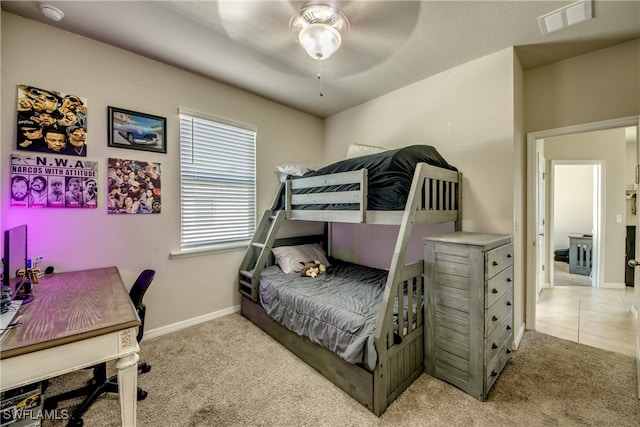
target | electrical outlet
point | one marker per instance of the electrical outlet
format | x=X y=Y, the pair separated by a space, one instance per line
x=618 y=218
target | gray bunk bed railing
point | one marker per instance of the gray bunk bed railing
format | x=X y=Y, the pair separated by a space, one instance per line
x=434 y=197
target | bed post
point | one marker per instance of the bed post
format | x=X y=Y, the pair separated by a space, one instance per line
x=396 y=274
x=326 y=239
x=458 y=226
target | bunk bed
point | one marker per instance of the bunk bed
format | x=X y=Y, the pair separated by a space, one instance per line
x=406 y=186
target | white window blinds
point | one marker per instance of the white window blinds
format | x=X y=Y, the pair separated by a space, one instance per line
x=218 y=184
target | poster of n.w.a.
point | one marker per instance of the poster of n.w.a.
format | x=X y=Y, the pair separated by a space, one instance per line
x=53 y=182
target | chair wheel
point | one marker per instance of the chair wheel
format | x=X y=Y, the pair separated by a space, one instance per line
x=142 y=394
x=75 y=422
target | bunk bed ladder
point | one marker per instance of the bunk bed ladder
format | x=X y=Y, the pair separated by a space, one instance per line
x=258 y=253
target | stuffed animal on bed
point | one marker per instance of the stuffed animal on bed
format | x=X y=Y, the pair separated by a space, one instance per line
x=312 y=268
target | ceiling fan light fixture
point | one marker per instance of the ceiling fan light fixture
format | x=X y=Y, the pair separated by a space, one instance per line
x=320 y=40
x=319 y=29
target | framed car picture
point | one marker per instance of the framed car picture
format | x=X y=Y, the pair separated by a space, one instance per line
x=137 y=131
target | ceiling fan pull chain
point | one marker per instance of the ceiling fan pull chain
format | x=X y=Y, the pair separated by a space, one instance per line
x=321 y=93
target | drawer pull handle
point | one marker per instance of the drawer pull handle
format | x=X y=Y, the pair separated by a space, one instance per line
x=495 y=263
x=508 y=351
x=494 y=346
x=508 y=327
x=508 y=255
x=508 y=303
x=494 y=291
x=494 y=318
x=494 y=374
x=508 y=279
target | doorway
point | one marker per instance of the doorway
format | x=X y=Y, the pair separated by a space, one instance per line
x=575 y=213
x=535 y=146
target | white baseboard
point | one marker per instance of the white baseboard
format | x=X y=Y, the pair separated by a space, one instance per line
x=613 y=285
x=157 y=332
x=517 y=336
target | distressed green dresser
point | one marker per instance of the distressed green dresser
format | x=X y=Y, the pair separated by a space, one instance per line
x=468 y=308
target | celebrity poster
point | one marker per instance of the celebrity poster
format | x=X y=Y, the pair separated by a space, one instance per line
x=134 y=187
x=53 y=182
x=51 y=122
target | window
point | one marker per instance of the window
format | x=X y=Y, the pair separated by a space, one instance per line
x=217 y=182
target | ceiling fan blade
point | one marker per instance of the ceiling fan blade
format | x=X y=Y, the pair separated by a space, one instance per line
x=374 y=36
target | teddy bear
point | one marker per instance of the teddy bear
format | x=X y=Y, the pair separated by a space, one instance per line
x=312 y=268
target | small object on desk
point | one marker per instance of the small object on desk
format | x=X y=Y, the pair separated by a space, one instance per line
x=23 y=292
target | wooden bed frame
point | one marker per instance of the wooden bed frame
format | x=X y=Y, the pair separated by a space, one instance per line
x=434 y=197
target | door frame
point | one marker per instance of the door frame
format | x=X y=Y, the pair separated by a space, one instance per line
x=542 y=223
x=532 y=203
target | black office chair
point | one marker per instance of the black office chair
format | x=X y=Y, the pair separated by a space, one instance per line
x=100 y=383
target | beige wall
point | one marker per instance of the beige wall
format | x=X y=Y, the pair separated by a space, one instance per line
x=470 y=124
x=42 y=56
x=519 y=196
x=597 y=86
x=572 y=201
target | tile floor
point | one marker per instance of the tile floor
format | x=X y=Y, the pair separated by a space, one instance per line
x=598 y=317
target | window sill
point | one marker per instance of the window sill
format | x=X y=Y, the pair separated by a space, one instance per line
x=208 y=250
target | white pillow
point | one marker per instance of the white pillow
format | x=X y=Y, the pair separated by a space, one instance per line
x=295 y=169
x=289 y=258
x=357 y=150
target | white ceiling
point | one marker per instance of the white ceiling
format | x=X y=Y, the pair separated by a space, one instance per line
x=391 y=44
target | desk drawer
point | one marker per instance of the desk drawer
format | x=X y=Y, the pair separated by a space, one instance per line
x=498 y=259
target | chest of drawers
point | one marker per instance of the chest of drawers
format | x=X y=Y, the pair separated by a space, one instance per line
x=468 y=308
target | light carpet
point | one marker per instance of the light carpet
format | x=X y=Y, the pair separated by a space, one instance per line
x=227 y=372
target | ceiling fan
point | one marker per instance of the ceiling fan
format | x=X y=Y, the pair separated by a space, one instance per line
x=360 y=35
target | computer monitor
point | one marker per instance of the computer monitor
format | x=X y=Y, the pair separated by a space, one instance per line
x=15 y=256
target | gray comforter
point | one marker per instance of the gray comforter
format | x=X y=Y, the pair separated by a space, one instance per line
x=337 y=310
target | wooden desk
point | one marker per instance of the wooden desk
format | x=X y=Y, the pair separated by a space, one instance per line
x=77 y=319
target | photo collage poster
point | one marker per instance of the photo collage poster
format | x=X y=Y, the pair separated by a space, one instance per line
x=51 y=122
x=134 y=187
x=53 y=182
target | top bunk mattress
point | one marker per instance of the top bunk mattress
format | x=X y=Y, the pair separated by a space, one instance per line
x=390 y=175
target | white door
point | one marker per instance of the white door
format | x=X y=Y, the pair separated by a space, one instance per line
x=540 y=239
x=635 y=263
